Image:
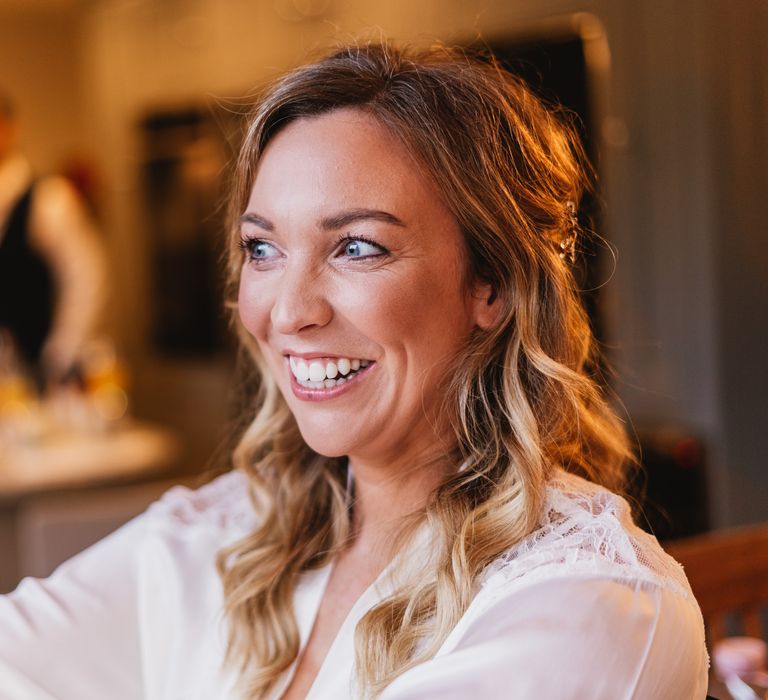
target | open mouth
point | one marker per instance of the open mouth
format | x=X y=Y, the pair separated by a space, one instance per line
x=325 y=373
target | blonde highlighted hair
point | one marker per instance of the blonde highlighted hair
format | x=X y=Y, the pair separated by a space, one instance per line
x=522 y=400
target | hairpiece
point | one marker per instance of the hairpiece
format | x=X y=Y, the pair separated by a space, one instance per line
x=568 y=244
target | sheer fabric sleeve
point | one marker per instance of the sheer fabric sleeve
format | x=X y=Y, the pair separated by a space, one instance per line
x=74 y=636
x=570 y=638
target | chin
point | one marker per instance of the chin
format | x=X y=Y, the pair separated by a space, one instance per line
x=326 y=448
x=323 y=441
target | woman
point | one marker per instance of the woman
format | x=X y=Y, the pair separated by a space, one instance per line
x=423 y=503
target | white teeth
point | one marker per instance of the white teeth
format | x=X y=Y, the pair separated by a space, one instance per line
x=316 y=372
x=301 y=371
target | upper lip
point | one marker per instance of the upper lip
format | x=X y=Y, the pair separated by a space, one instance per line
x=313 y=355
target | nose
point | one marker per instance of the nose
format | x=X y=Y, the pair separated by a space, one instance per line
x=300 y=301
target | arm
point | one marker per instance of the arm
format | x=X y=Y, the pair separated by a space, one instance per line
x=571 y=638
x=137 y=615
x=75 y=636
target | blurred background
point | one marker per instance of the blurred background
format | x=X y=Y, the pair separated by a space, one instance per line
x=136 y=104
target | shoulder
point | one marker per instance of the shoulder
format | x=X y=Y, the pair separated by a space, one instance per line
x=572 y=638
x=54 y=192
x=221 y=505
x=589 y=588
x=57 y=205
x=586 y=531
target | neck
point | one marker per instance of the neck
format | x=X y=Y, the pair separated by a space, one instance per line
x=385 y=494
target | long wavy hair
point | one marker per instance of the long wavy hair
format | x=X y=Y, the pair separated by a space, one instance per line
x=522 y=400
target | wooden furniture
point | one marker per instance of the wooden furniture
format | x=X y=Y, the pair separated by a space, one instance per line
x=728 y=572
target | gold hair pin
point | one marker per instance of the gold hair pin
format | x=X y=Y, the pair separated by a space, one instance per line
x=568 y=244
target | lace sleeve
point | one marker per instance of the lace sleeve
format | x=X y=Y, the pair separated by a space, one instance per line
x=586 y=531
x=222 y=504
x=587 y=605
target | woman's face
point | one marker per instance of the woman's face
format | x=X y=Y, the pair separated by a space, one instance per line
x=354 y=286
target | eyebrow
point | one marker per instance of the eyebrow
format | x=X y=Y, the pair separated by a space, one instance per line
x=256 y=220
x=331 y=223
x=345 y=218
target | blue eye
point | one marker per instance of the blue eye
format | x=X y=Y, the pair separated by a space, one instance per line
x=258 y=249
x=264 y=250
x=360 y=248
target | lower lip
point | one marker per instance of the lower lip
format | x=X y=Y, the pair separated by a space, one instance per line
x=306 y=394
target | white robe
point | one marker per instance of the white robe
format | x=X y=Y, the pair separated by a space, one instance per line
x=588 y=606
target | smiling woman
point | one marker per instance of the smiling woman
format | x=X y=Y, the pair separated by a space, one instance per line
x=379 y=289
x=425 y=502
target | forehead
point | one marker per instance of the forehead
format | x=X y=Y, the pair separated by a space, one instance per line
x=345 y=158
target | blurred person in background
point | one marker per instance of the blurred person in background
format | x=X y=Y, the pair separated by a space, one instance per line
x=52 y=265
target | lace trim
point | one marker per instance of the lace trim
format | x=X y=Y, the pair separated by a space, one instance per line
x=585 y=530
x=222 y=503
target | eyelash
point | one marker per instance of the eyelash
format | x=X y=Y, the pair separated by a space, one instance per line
x=248 y=244
x=345 y=238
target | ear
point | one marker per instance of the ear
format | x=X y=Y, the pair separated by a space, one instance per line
x=486 y=305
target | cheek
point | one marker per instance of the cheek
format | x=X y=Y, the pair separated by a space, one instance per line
x=421 y=312
x=252 y=307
